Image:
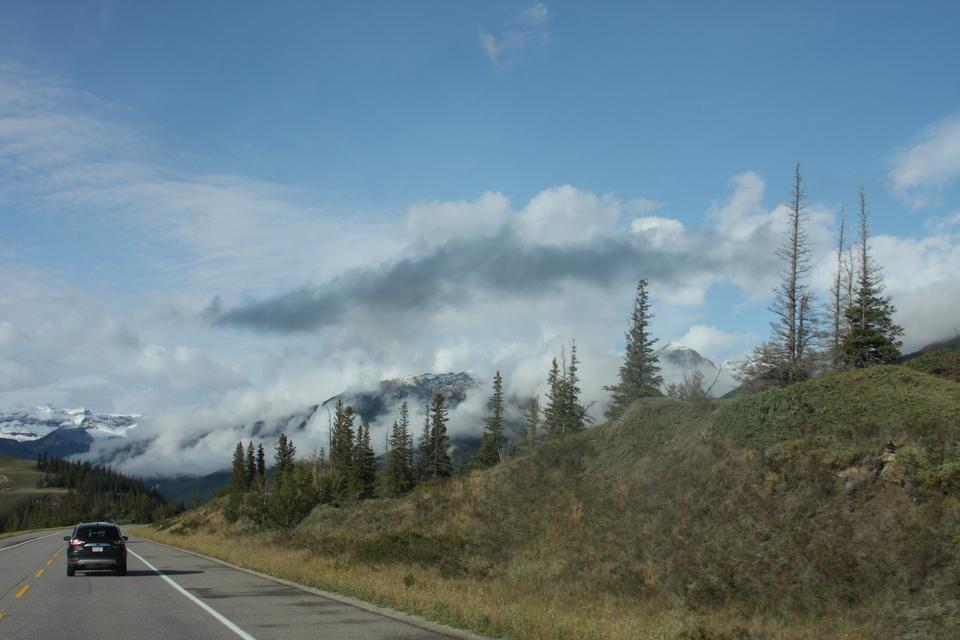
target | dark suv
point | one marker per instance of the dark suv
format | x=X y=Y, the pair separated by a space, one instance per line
x=95 y=546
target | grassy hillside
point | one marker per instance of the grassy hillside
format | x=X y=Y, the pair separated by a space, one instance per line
x=781 y=515
x=18 y=482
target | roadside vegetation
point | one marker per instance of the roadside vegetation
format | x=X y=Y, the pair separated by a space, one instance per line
x=52 y=492
x=780 y=515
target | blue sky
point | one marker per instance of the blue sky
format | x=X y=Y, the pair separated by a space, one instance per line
x=274 y=201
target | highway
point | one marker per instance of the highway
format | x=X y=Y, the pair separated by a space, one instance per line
x=170 y=594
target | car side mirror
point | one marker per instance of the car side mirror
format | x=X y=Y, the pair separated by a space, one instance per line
x=67 y=538
x=125 y=538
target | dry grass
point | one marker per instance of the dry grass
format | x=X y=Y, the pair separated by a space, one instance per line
x=500 y=608
x=669 y=523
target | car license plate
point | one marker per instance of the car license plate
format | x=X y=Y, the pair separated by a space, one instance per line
x=97 y=549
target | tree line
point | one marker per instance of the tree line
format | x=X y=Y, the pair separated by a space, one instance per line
x=855 y=329
x=93 y=492
x=349 y=470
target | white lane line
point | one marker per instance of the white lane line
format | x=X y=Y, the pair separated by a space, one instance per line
x=229 y=625
x=14 y=546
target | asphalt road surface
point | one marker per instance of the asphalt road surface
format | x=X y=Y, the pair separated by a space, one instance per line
x=169 y=594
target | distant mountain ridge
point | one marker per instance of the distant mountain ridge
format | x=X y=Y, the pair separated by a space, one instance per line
x=417 y=391
x=26 y=433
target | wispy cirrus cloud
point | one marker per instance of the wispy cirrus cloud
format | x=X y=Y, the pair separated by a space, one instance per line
x=64 y=150
x=526 y=31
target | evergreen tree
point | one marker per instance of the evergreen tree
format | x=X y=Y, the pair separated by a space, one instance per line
x=283 y=461
x=342 y=440
x=532 y=419
x=640 y=371
x=492 y=444
x=439 y=464
x=261 y=462
x=872 y=337
x=552 y=413
x=575 y=418
x=423 y=445
x=398 y=473
x=364 y=465
x=249 y=466
x=564 y=413
x=238 y=476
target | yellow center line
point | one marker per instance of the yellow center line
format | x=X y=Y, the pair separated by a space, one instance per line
x=23 y=591
x=2 y=616
x=40 y=573
x=49 y=562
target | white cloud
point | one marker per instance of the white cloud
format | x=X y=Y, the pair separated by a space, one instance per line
x=565 y=214
x=8 y=333
x=183 y=367
x=526 y=31
x=14 y=375
x=436 y=223
x=712 y=342
x=660 y=232
x=63 y=150
x=930 y=164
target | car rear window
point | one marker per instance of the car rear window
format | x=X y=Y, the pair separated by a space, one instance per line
x=98 y=534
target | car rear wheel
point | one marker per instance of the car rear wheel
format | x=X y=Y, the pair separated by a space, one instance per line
x=122 y=569
x=70 y=571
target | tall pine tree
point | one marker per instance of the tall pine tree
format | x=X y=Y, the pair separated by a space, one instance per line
x=492 y=445
x=250 y=465
x=261 y=461
x=238 y=476
x=873 y=338
x=364 y=465
x=342 y=441
x=640 y=371
x=399 y=473
x=564 y=413
x=439 y=464
x=532 y=419
x=283 y=461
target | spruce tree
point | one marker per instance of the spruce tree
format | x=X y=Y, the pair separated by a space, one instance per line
x=423 y=445
x=342 y=441
x=872 y=337
x=564 y=413
x=552 y=413
x=492 y=445
x=283 y=461
x=364 y=465
x=238 y=476
x=575 y=418
x=640 y=371
x=250 y=466
x=532 y=419
x=398 y=473
x=261 y=462
x=439 y=464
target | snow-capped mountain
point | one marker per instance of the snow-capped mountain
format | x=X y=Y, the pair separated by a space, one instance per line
x=370 y=404
x=678 y=360
x=25 y=433
x=33 y=424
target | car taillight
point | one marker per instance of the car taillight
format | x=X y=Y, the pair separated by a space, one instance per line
x=76 y=542
x=116 y=541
